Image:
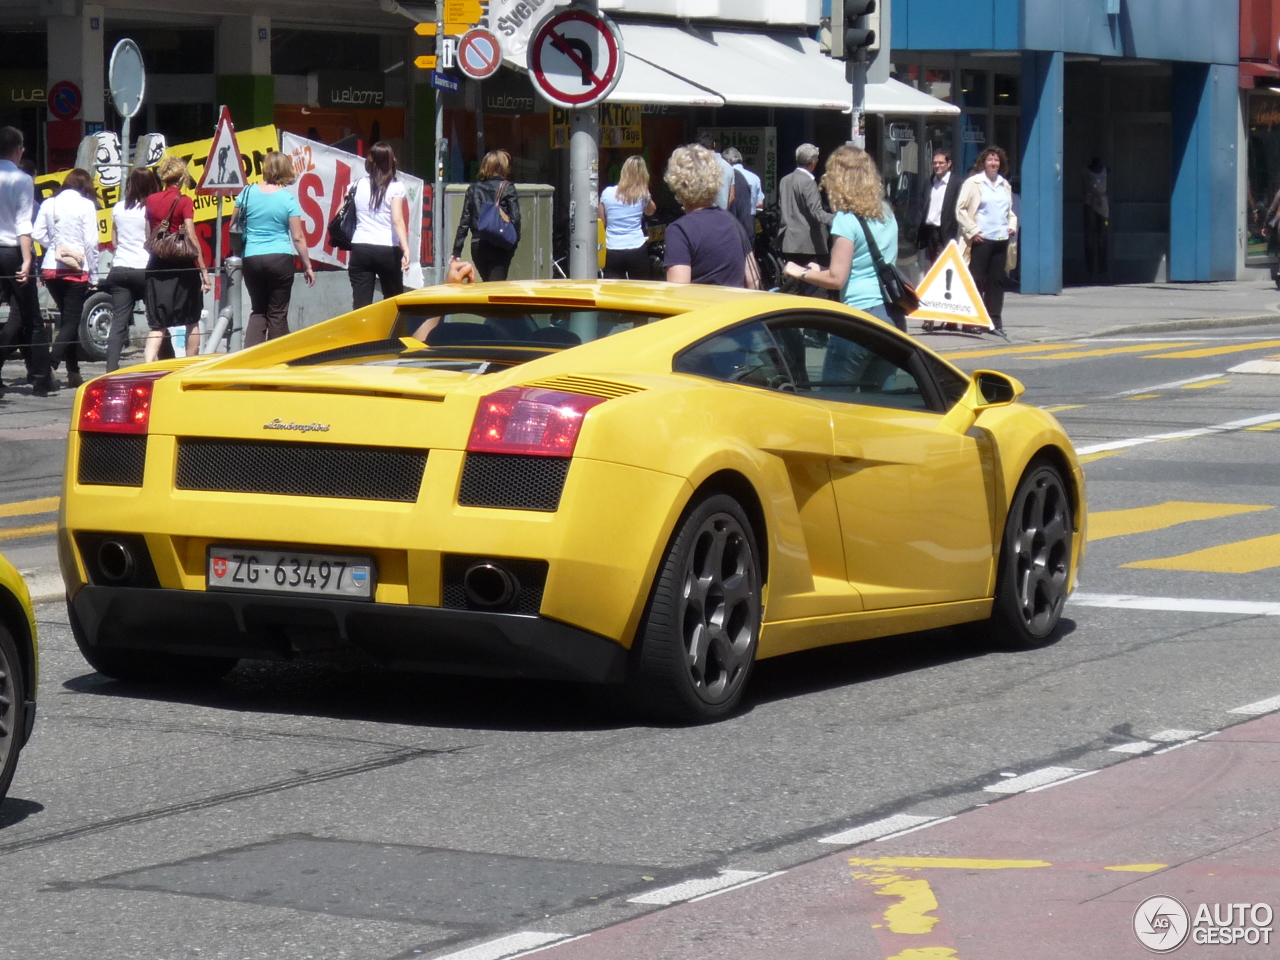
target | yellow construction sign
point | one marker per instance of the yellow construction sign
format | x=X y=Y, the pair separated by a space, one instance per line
x=948 y=294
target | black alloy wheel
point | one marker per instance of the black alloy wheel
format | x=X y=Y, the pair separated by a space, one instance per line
x=697 y=641
x=12 y=706
x=1031 y=587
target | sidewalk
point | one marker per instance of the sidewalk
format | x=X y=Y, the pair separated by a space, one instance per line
x=1055 y=874
x=1151 y=308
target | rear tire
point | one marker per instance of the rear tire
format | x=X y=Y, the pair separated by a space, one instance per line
x=13 y=697
x=1035 y=561
x=147 y=666
x=696 y=643
x=95 y=326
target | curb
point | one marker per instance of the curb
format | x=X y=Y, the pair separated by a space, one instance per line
x=46 y=587
x=1193 y=324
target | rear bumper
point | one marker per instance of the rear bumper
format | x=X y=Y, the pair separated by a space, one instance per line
x=429 y=639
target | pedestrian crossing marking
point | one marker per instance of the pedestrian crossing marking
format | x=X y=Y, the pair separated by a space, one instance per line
x=1109 y=351
x=1210 y=351
x=1121 y=523
x=1244 y=556
x=25 y=508
x=1144 y=396
x=21 y=533
x=1002 y=351
x=1065 y=406
x=1206 y=383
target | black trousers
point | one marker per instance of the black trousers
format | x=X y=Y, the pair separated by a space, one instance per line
x=932 y=241
x=70 y=296
x=24 y=325
x=370 y=261
x=269 y=279
x=1095 y=243
x=987 y=264
x=127 y=285
x=492 y=262
x=627 y=264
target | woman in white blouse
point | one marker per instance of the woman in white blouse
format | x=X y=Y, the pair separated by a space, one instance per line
x=127 y=281
x=67 y=228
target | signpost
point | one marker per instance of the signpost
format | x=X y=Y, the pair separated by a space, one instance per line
x=575 y=59
x=479 y=54
x=127 y=81
x=223 y=176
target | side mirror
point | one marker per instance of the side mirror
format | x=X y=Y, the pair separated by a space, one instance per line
x=996 y=389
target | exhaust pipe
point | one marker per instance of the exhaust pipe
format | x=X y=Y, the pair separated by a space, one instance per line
x=115 y=560
x=489 y=586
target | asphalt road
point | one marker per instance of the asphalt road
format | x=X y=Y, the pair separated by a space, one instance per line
x=313 y=811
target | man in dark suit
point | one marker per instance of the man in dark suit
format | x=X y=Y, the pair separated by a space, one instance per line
x=803 y=234
x=939 y=226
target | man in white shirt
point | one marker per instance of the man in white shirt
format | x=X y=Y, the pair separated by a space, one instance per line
x=734 y=158
x=939 y=226
x=17 y=264
x=725 y=195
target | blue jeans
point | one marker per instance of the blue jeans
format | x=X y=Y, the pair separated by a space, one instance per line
x=889 y=314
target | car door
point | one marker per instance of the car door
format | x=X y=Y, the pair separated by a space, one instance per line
x=911 y=493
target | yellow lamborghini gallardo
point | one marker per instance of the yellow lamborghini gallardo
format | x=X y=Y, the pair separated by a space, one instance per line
x=645 y=485
x=18 y=670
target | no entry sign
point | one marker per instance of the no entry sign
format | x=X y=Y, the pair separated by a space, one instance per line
x=479 y=54
x=575 y=57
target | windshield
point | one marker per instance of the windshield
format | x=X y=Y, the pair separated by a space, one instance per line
x=496 y=334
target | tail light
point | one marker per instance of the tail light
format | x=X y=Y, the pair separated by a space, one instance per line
x=120 y=404
x=528 y=420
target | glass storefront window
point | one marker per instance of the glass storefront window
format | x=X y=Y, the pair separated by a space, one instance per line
x=1263 y=158
x=1006 y=90
x=973 y=88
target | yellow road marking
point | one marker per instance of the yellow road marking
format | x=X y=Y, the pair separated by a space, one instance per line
x=949 y=863
x=1101 y=454
x=1137 y=867
x=1144 y=396
x=1211 y=351
x=25 y=507
x=1109 y=351
x=18 y=533
x=1120 y=523
x=1065 y=406
x=1266 y=426
x=926 y=953
x=1244 y=556
x=1003 y=351
x=1206 y=383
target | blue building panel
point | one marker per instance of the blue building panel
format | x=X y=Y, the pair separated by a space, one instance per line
x=1040 y=227
x=1202 y=208
x=949 y=25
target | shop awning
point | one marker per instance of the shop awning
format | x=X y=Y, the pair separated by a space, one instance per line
x=642 y=82
x=763 y=69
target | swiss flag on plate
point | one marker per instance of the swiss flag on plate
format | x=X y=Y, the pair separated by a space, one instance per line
x=219 y=567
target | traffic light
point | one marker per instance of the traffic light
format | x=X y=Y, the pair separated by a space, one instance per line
x=855 y=28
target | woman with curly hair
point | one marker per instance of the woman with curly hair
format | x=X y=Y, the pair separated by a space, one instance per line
x=706 y=245
x=853 y=187
x=988 y=226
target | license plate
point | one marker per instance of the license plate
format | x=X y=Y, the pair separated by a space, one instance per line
x=292 y=571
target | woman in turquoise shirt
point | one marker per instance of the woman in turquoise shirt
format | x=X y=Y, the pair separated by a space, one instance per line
x=272 y=234
x=853 y=188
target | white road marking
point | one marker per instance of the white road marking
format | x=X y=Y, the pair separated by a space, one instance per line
x=1229 y=427
x=1058 y=783
x=1259 y=708
x=879 y=828
x=1138 y=746
x=1163 y=386
x=1169 y=339
x=516 y=944
x=697 y=888
x=557 y=943
x=931 y=823
x=1125 y=601
x=1173 y=736
x=738 y=886
x=1029 y=781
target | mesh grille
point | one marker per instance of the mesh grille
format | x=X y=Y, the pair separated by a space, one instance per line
x=112 y=459
x=512 y=481
x=530 y=574
x=300 y=469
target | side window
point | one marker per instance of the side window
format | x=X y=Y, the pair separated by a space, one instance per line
x=835 y=360
x=745 y=354
x=951 y=384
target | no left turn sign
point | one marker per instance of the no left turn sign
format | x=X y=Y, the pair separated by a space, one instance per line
x=575 y=57
x=479 y=54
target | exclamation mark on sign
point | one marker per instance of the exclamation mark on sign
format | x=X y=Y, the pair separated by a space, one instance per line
x=950 y=273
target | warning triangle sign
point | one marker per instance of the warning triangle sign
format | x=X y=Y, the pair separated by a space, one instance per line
x=948 y=294
x=224 y=171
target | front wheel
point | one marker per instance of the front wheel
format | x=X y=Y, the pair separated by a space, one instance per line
x=697 y=640
x=1035 y=560
x=13 y=698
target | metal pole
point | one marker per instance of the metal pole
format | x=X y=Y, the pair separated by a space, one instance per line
x=584 y=193
x=479 y=119
x=439 y=254
x=857 y=74
x=124 y=145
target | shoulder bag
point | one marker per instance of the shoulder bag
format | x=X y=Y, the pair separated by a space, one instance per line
x=173 y=247
x=238 y=222
x=894 y=287
x=343 y=226
x=493 y=225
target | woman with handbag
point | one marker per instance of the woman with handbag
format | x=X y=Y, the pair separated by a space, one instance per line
x=622 y=210
x=864 y=238
x=270 y=222
x=127 y=281
x=491 y=211
x=67 y=228
x=380 y=243
x=176 y=276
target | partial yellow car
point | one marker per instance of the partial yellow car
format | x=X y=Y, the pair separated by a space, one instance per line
x=18 y=670
x=640 y=484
